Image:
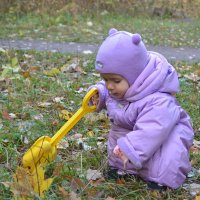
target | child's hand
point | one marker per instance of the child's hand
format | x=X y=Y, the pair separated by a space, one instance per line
x=95 y=99
x=118 y=152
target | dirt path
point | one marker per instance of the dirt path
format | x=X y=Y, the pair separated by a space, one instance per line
x=179 y=54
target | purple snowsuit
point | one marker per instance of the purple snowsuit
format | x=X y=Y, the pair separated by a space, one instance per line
x=150 y=126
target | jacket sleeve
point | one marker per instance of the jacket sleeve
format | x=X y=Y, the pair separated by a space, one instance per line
x=154 y=123
x=103 y=94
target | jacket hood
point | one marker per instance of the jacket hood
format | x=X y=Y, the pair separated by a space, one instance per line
x=122 y=53
x=158 y=76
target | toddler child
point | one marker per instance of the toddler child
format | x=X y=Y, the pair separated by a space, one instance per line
x=150 y=133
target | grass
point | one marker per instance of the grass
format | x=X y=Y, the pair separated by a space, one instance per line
x=30 y=83
x=92 y=29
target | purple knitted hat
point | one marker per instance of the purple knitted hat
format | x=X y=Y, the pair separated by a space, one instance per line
x=122 y=53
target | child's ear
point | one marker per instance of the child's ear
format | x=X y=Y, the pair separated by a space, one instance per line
x=112 y=31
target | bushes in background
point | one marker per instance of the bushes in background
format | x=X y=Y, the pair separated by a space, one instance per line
x=170 y=8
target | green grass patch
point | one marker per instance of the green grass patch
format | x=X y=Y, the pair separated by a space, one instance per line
x=35 y=87
x=93 y=29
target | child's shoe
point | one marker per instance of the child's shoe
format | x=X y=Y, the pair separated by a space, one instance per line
x=115 y=174
x=155 y=186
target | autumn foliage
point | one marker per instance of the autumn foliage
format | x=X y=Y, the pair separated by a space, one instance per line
x=173 y=8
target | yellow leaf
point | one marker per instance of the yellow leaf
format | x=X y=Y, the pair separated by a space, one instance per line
x=154 y=194
x=52 y=72
x=90 y=133
x=197 y=198
x=26 y=74
x=64 y=114
x=14 y=61
x=26 y=184
x=22 y=185
x=40 y=185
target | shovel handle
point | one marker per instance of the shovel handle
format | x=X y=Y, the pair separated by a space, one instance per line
x=84 y=109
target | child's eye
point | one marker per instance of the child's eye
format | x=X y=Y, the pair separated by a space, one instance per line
x=117 y=81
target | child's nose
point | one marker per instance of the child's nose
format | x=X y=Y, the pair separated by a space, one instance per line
x=109 y=86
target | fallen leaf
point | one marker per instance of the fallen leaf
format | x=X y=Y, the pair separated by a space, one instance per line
x=34 y=69
x=91 y=118
x=197 y=198
x=75 y=183
x=21 y=187
x=92 y=193
x=154 y=194
x=26 y=74
x=28 y=184
x=65 y=195
x=63 y=144
x=38 y=117
x=83 y=145
x=64 y=114
x=12 y=115
x=76 y=136
x=90 y=133
x=44 y=104
x=55 y=122
x=193 y=188
x=191 y=76
x=57 y=170
x=14 y=61
x=110 y=198
x=195 y=149
x=24 y=139
x=97 y=181
x=120 y=181
x=73 y=196
x=93 y=174
x=6 y=115
x=70 y=68
x=81 y=90
x=58 y=99
x=52 y=72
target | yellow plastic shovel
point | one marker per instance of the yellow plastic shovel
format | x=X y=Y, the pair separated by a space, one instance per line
x=44 y=149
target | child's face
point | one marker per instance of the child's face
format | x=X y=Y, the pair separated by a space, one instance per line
x=116 y=85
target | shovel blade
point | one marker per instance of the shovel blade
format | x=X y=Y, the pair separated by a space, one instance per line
x=41 y=152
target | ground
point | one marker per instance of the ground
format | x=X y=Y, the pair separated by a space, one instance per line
x=188 y=54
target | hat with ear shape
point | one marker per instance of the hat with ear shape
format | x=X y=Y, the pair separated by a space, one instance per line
x=122 y=53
